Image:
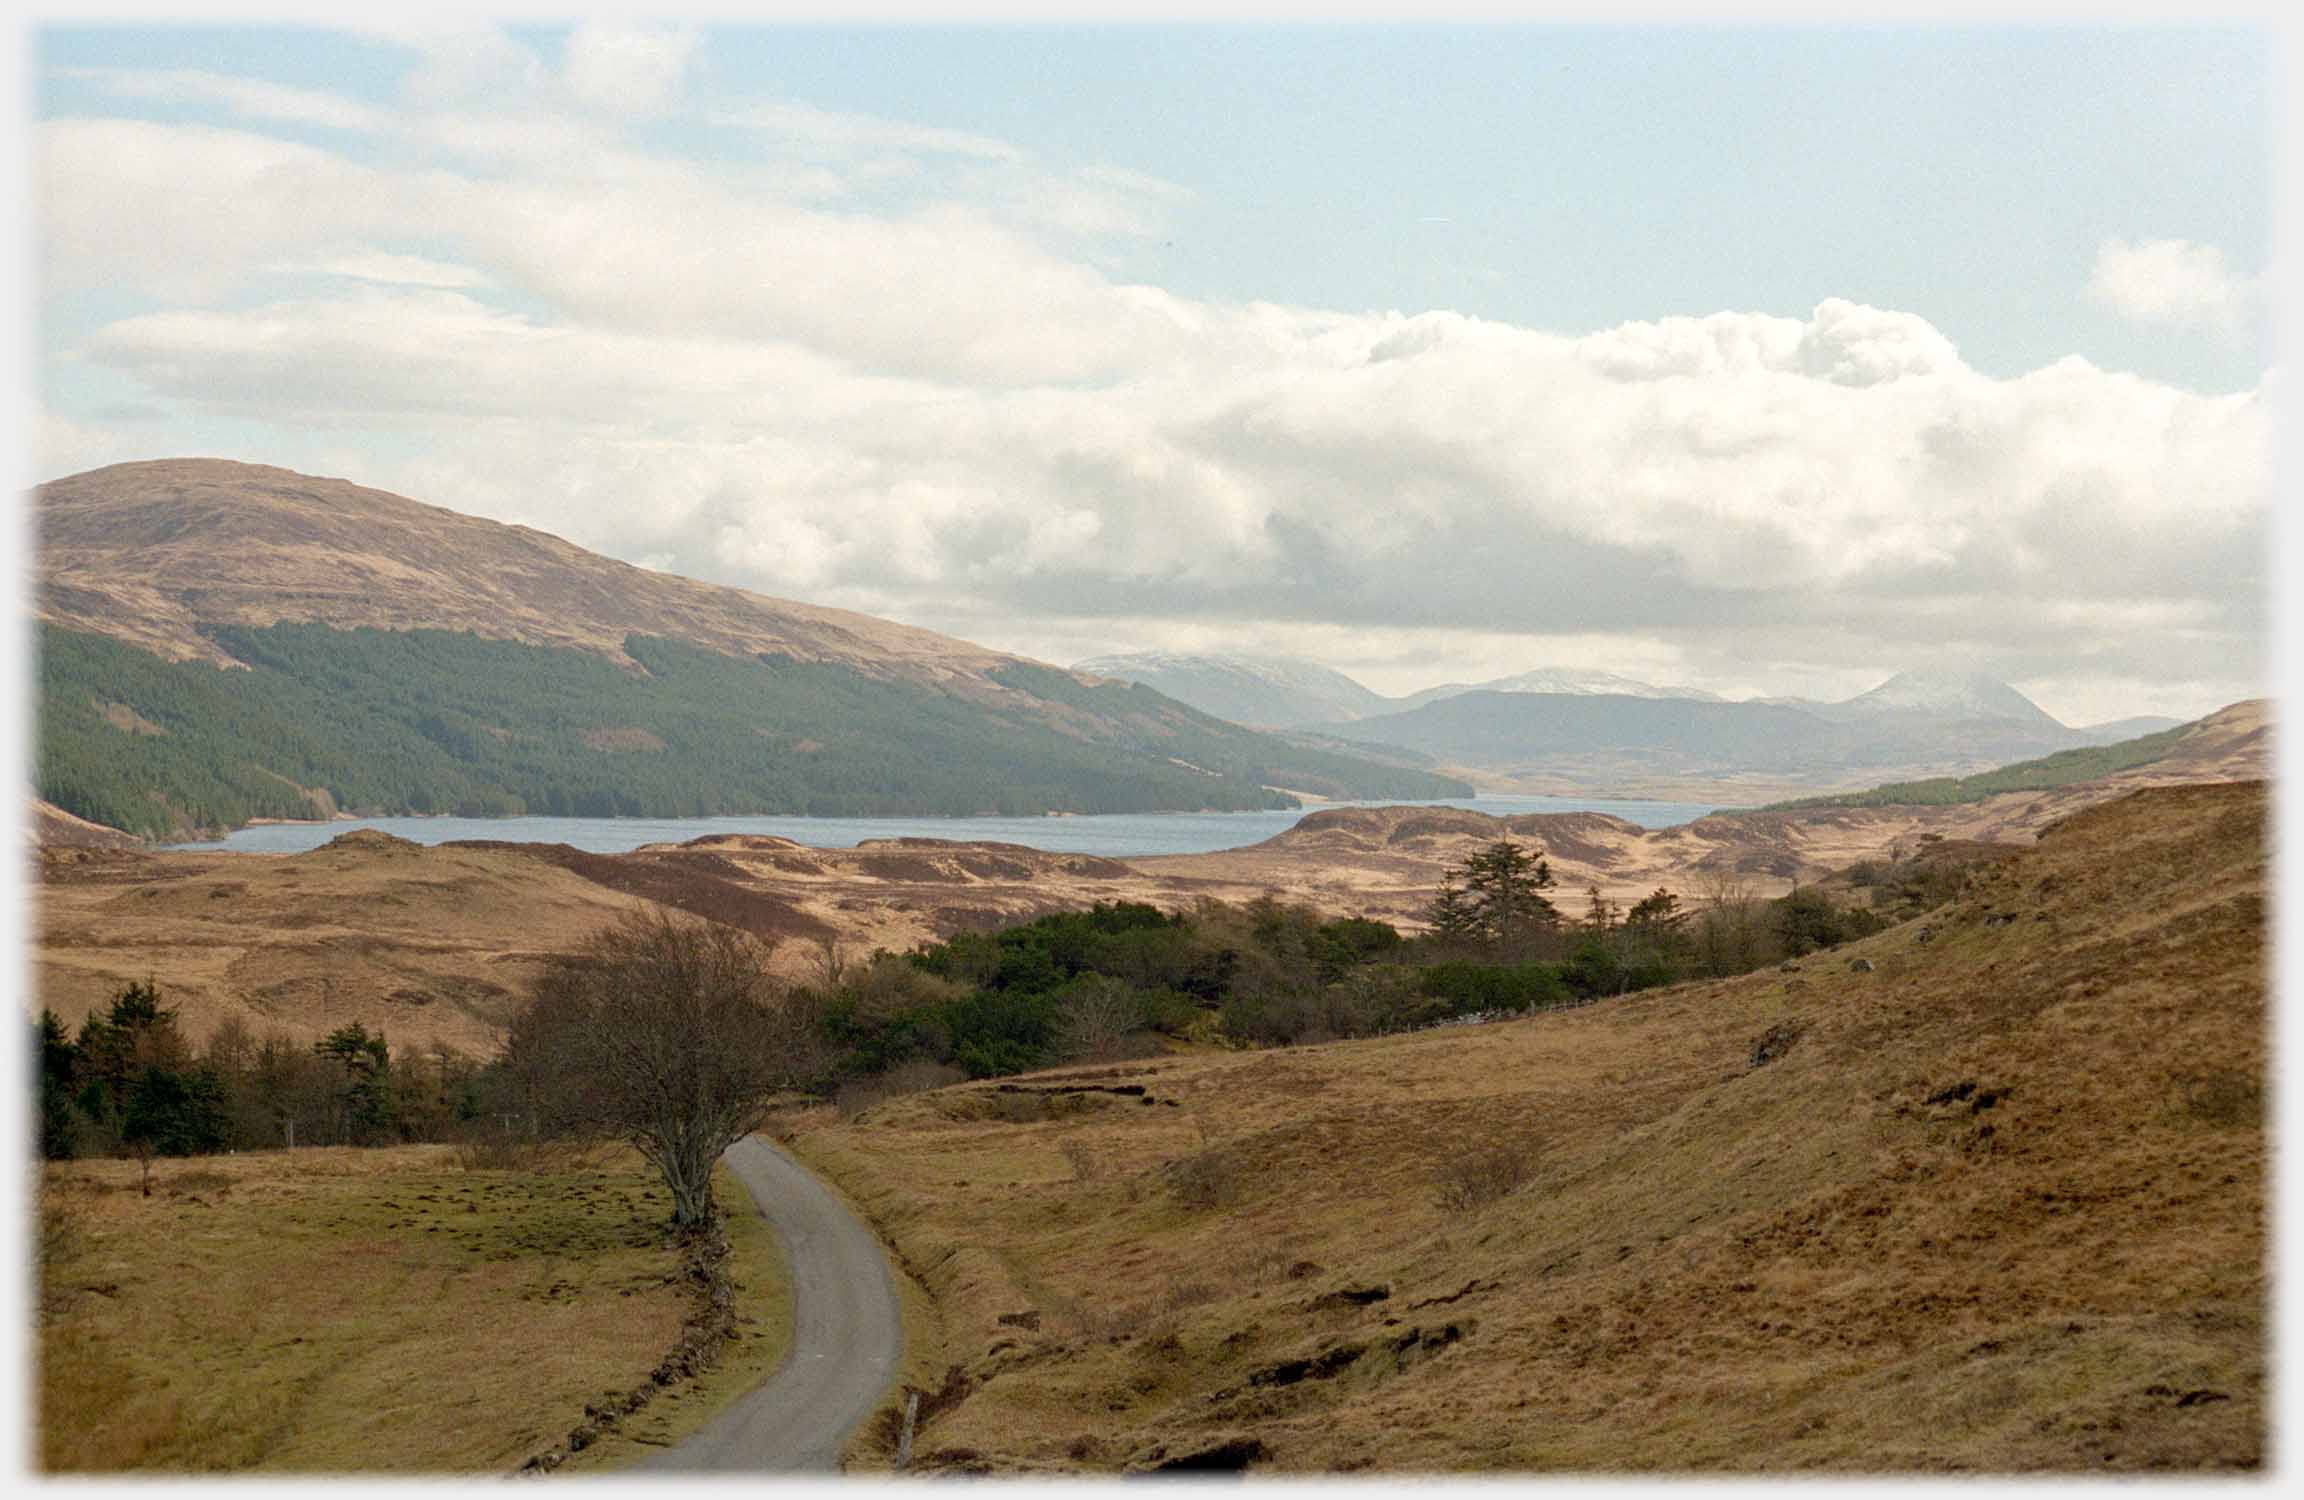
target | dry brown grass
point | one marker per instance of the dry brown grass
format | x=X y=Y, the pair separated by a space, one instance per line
x=1470 y=1182
x=344 y=1311
x=430 y=945
x=761 y=1278
x=2000 y=1209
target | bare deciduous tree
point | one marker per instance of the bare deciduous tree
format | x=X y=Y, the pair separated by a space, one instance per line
x=1100 y=1015
x=668 y=1033
x=1729 y=934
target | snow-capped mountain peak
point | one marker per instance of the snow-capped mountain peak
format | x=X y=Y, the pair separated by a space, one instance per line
x=1581 y=680
x=1950 y=693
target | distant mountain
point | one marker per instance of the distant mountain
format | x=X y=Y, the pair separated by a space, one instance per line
x=1945 y=696
x=1277 y=692
x=1569 y=680
x=2060 y=768
x=221 y=641
x=2230 y=744
x=2113 y=731
x=1506 y=729
x=1288 y=692
x=1915 y=724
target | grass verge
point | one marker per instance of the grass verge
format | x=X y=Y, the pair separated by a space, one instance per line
x=761 y=1278
x=340 y=1311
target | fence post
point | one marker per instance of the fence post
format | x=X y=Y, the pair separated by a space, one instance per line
x=911 y=1414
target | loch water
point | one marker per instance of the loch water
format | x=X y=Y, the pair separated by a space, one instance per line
x=1114 y=834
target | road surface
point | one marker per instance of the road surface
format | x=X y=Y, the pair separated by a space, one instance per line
x=847 y=1334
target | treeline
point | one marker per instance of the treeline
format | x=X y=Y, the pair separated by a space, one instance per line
x=391 y=722
x=131 y=1083
x=1119 y=980
x=1114 y=980
x=2062 y=768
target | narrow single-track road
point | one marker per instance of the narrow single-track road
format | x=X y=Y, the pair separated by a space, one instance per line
x=847 y=1334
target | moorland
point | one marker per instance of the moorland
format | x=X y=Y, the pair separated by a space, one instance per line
x=1910 y=1129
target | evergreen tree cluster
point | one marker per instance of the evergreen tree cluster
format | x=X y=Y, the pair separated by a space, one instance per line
x=1117 y=979
x=1120 y=979
x=434 y=721
x=131 y=1084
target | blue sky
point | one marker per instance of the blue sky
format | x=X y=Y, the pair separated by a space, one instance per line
x=1768 y=351
x=1567 y=178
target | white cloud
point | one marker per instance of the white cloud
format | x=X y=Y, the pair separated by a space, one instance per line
x=2173 y=283
x=459 y=61
x=936 y=410
x=803 y=124
x=186 y=211
x=252 y=98
x=626 y=69
x=387 y=267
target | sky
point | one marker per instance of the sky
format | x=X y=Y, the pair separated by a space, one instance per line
x=1766 y=359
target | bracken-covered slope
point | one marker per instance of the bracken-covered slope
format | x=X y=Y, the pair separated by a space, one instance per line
x=1982 y=1193
x=405 y=658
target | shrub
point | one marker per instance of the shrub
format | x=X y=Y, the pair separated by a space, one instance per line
x=1478 y=1178
x=1085 y=1166
x=1807 y=920
x=1374 y=1000
x=1210 y=1179
x=1465 y=987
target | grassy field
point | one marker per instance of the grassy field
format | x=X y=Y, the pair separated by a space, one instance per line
x=1993 y=1203
x=762 y=1282
x=362 y=1311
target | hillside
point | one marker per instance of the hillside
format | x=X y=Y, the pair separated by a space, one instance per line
x=438 y=942
x=2232 y=744
x=2112 y=731
x=428 y=945
x=157 y=553
x=2060 y=769
x=224 y=641
x=1270 y=691
x=1993 y=1203
x=1620 y=744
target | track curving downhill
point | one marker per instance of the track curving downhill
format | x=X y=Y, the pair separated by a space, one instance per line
x=847 y=1334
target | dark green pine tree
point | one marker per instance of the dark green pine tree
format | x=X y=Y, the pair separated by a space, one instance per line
x=1506 y=886
x=366 y=1103
x=59 y=1123
x=1453 y=915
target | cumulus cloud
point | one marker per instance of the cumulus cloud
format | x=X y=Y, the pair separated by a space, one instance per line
x=936 y=409
x=2172 y=283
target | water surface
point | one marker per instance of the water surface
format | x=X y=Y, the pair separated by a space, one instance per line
x=1119 y=835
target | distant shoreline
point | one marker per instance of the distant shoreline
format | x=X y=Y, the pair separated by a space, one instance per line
x=1112 y=834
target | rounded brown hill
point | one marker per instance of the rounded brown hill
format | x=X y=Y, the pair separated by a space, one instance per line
x=148 y=552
